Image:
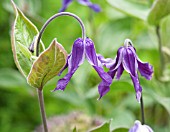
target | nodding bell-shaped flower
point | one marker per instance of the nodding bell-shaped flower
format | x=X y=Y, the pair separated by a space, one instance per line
x=138 y=127
x=83 y=49
x=127 y=60
x=88 y=3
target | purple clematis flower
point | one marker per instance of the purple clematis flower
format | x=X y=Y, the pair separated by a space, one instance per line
x=80 y=50
x=88 y=3
x=138 y=127
x=128 y=60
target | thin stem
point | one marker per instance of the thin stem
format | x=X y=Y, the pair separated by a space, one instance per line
x=52 y=18
x=162 y=62
x=142 y=110
x=42 y=109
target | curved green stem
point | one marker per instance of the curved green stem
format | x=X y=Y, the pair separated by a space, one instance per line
x=52 y=18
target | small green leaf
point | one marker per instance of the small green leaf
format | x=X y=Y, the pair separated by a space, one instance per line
x=160 y=9
x=23 y=33
x=74 y=130
x=130 y=8
x=103 y=128
x=49 y=64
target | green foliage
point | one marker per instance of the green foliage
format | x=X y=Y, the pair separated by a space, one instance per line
x=119 y=19
x=47 y=65
x=132 y=8
x=23 y=32
x=103 y=128
x=159 y=10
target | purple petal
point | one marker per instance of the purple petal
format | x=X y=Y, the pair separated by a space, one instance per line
x=145 y=69
x=117 y=63
x=119 y=72
x=105 y=62
x=91 y=52
x=93 y=60
x=137 y=86
x=65 y=4
x=103 y=88
x=129 y=61
x=88 y=3
x=66 y=65
x=76 y=58
x=95 y=7
x=138 y=127
x=103 y=75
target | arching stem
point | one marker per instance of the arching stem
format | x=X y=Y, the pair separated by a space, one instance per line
x=52 y=18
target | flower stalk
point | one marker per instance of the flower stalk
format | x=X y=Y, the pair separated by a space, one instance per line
x=42 y=109
x=142 y=110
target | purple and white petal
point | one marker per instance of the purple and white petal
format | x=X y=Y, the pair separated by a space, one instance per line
x=145 y=69
x=116 y=65
x=65 y=4
x=92 y=59
x=88 y=3
x=74 y=62
x=138 y=127
x=108 y=62
x=103 y=88
x=129 y=61
x=119 y=71
x=118 y=59
x=90 y=52
x=137 y=87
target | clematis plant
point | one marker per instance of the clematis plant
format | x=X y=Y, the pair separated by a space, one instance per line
x=127 y=60
x=88 y=3
x=80 y=50
x=138 y=127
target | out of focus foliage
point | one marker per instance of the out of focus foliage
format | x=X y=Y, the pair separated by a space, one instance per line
x=119 y=19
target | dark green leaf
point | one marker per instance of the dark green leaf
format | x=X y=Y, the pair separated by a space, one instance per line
x=23 y=33
x=160 y=9
x=48 y=64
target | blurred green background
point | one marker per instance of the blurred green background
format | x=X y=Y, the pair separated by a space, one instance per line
x=119 y=19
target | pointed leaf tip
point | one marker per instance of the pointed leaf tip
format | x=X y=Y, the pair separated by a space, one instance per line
x=49 y=64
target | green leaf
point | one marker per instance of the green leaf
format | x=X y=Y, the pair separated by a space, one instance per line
x=130 y=8
x=103 y=128
x=74 y=130
x=120 y=130
x=23 y=33
x=49 y=64
x=160 y=9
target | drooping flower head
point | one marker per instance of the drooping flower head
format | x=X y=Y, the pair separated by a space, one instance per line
x=128 y=60
x=83 y=49
x=88 y=3
x=138 y=127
